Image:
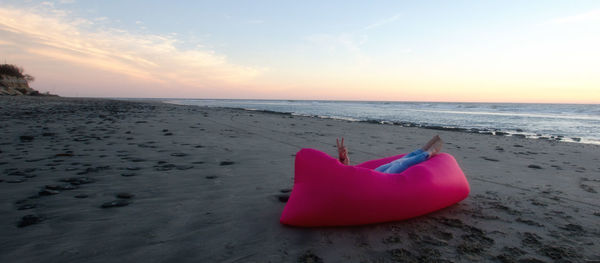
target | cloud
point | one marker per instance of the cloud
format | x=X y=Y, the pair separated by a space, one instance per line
x=383 y=22
x=4 y=42
x=344 y=41
x=53 y=33
x=348 y=41
x=351 y=43
x=591 y=16
x=344 y=47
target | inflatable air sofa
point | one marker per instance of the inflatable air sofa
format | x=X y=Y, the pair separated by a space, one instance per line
x=328 y=193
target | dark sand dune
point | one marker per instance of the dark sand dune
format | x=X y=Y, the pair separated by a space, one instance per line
x=91 y=180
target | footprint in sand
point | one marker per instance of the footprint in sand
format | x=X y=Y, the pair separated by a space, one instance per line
x=392 y=240
x=78 y=180
x=116 y=203
x=47 y=192
x=125 y=195
x=528 y=222
x=28 y=220
x=573 y=228
x=588 y=188
x=26 y=206
x=309 y=257
x=489 y=159
x=560 y=252
x=510 y=254
x=63 y=187
x=556 y=166
x=530 y=239
x=26 y=138
x=15 y=181
x=283 y=198
x=586 y=185
x=184 y=167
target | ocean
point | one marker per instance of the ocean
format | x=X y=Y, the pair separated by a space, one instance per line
x=557 y=122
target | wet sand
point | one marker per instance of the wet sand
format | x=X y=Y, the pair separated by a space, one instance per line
x=102 y=181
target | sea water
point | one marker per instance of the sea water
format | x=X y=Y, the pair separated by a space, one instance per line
x=564 y=122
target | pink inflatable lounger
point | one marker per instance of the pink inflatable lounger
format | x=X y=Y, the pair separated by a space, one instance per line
x=328 y=193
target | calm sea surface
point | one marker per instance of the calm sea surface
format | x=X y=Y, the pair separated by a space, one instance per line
x=566 y=122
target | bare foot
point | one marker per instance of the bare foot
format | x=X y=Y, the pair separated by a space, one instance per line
x=431 y=142
x=436 y=147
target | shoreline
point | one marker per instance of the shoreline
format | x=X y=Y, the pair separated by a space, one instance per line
x=490 y=131
x=100 y=180
x=495 y=132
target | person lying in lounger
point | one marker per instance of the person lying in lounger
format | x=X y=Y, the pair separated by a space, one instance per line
x=431 y=148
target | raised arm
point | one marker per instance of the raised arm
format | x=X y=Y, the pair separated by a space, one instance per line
x=342 y=152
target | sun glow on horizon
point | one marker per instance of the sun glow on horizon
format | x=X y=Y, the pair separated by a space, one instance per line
x=406 y=54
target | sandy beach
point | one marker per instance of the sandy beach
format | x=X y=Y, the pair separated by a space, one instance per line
x=94 y=180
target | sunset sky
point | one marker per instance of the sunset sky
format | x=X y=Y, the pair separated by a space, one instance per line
x=481 y=51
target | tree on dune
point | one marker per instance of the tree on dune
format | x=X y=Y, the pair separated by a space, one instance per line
x=14 y=71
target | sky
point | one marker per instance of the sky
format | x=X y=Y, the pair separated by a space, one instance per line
x=459 y=51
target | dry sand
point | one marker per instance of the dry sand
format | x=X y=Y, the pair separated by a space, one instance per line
x=192 y=184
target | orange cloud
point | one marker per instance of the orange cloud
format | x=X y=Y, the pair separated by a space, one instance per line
x=53 y=34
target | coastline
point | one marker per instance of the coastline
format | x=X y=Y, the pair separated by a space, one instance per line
x=496 y=132
x=351 y=113
x=209 y=184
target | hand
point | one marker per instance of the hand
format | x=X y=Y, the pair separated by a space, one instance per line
x=342 y=151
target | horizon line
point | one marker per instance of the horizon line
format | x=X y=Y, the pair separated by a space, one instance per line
x=344 y=100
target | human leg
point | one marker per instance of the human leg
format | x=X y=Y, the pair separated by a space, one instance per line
x=402 y=164
x=387 y=165
x=384 y=167
x=431 y=148
x=413 y=153
x=431 y=142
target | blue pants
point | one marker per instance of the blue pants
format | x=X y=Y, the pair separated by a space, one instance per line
x=399 y=165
